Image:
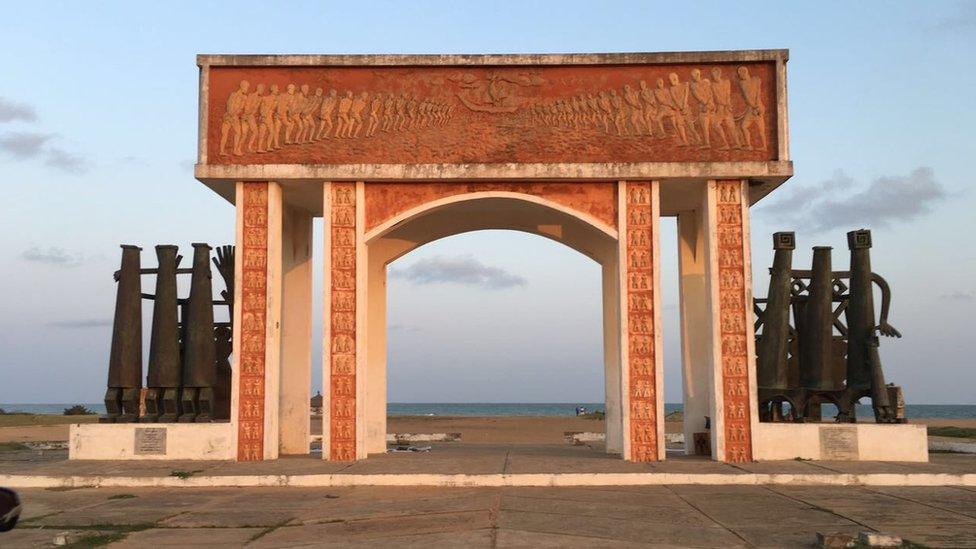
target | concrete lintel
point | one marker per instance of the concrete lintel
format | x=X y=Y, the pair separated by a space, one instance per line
x=766 y=175
x=520 y=59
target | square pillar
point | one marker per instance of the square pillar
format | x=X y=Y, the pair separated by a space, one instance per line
x=296 y=331
x=729 y=291
x=696 y=328
x=343 y=322
x=640 y=321
x=257 y=315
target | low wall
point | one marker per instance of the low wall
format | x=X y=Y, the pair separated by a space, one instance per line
x=147 y=441
x=844 y=442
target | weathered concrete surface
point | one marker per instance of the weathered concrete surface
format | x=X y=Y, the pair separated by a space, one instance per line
x=458 y=464
x=651 y=516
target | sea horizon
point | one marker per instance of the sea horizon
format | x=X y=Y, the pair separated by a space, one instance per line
x=928 y=411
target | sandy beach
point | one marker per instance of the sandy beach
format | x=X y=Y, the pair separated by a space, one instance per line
x=490 y=430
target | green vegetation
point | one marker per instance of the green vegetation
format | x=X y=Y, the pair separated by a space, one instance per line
x=11 y=447
x=950 y=431
x=26 y=420
x=593 y=415
x=122 y=496
x=77 y=410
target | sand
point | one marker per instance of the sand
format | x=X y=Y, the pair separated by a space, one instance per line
x=494 y=430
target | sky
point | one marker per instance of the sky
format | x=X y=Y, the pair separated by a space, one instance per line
x=98 y=122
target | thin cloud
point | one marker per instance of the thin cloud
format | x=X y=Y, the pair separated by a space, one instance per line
x=134 y=161
x=963 y=20
x=458 y=270
x=841 y=202
x=403 y=328
x=24 y=145
x=81 y=323
x=52 y=256
x=959 y=296
x=65 y=161
x=11 y=111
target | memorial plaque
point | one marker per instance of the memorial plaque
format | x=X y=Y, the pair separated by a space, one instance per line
x=838 y=442
x=150 y=441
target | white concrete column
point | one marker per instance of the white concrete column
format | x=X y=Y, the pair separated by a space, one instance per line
x=696 y=350
x=272 y=364
x=376 y=387
x=296 y=331
x=612 y=371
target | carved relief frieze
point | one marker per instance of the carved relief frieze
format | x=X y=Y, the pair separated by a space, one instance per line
x=254 y=262
x=640 y=321
x=342 y=344
x=732 y=321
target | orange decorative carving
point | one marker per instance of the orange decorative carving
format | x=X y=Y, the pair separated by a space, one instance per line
x=387 y=200
x=732 y=322
x=422 y=115
x=254 y=293
x=342 y=344
x=640 y=320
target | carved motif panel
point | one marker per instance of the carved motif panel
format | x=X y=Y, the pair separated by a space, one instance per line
x=500 y=114
x=342 y=344
x=386 y=200
x=732 y=319
x=254 y=293
x=640 y=319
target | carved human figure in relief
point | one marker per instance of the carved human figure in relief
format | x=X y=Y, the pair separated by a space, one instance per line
x=232 y=118
x=284 y=111
x=683 y=116
x=701 y=89
x=266 y=121
x=751 y=88
x=375 y=111
x=724 y=119
x=632 y=97
x=356 y=114
x=400 y=112
x=652 y=119
x=343 y=122
x=295 y=113
x=388 y=113
x=249 y=118
x=325 y=114
x=665 y=107
x=619 y=113
x=312 y=105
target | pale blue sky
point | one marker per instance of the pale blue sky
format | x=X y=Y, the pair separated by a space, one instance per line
x=98 y=132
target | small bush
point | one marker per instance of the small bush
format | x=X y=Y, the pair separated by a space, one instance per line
x=77 y=410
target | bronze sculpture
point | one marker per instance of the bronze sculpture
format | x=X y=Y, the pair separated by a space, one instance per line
x=188 y=377
x=802 y=366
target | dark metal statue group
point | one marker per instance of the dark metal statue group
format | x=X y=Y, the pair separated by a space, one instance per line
x=189 y=374
x=803 y=364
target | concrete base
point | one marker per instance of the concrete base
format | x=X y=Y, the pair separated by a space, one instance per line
x=841 y=442
x=151 y=441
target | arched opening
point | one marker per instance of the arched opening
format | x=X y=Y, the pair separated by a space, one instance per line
x=478 y=212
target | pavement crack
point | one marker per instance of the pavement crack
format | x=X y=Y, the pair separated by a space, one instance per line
x=908 y=499
x=508 y=456
x=709 y=517
x=817 y=507
x=494 y=513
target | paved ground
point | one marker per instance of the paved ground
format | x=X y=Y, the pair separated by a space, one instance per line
x=658 y=516
x=455 y=458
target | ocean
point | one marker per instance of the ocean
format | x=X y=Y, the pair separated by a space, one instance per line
x=944 y=411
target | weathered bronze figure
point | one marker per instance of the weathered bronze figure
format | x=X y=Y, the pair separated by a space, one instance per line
x=189 y=374
x=163 y=379
x=199 y=351
x=125 y=359
x=825 y=359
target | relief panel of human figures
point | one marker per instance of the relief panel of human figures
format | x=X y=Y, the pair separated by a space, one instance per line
x=268 y=119
x=653 y=113
x=696 y=112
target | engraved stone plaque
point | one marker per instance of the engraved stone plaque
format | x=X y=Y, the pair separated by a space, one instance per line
x=150 y=441
x=838 y=443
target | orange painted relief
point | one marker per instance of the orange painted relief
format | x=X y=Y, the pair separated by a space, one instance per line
x=430 y=115
x=732 y=317
x=640 y=320
x=342 y=344
x=386 y=200
x=254 y=261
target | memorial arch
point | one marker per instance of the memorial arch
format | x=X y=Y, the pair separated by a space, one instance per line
x=397 y=151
